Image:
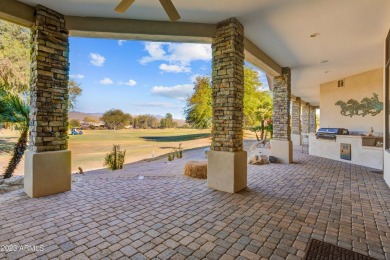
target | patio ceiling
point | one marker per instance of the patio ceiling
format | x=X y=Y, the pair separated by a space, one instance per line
x=351 y=32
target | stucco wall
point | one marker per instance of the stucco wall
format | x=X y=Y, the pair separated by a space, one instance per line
x=386 y=172
x=361 y=155
x=355 y=87
x=386 y=154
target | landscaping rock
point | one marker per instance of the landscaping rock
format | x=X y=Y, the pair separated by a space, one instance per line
x=259 y=152
x=6 y=188
x=258 y=160
x=273 y=159
x=14 y=181
x=11 y=184
x=74 y=179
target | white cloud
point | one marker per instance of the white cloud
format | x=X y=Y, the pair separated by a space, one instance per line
x=159 y=104
x=106 y=81
x=97 y=59
x=188 y=52
x=130 y=83
x=77 y=76
x=176 y=54
x=155 y=50
x=179 y=92
x=176 y=68
x=121 y=42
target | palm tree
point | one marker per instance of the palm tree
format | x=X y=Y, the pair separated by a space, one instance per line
x=15 y=110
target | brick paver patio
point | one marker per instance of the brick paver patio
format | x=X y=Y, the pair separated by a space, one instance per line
x=122 y=216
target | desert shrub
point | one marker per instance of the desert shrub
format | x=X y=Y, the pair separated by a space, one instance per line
x=178 y=152
x=115 y=159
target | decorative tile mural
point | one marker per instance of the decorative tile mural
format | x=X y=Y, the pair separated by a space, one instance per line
x=368 y=106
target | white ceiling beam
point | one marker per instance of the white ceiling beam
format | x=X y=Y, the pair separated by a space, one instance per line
x=139 y=29
x=17 y=12
x=257 y=57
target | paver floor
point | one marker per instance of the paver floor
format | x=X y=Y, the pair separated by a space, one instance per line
x=121 y=216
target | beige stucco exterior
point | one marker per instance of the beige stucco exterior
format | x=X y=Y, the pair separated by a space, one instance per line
x=355 y=87
x=360 y=155
x=296 y=139
x=227 y=171
x=282 y=150
x=386 y=173
x=47 y=173
x=386 y=153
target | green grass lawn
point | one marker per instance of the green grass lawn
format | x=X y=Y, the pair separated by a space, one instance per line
x=89 y=149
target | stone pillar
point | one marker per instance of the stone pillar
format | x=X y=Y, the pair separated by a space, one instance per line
x=305 y=118
x=281 y=145
x=227 y=169
x=47 y=162
x=296 y=121
x=312 y=120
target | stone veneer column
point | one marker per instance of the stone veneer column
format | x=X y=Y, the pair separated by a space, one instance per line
x=227 y=169
x=312 y=120
x=305 y=118
x=281 y=145
x=296 y=121
x=47 y=163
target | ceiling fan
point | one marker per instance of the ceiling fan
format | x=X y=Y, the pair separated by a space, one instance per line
x=166 y=4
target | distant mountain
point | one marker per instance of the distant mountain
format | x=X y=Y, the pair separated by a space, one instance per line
x=81 y=115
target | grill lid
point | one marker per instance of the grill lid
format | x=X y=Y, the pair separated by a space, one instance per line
x=331 y=132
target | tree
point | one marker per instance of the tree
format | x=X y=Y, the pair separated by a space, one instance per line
x=74 y=123
x=146 y=121
x=264 y=113
x=198 y=110
x=153 y=122
x=163 y=123
x=90 y=120
x=14 y=58
x=252 y=96
x=115 y=118
x=74 y=92
x=167 y=121
x=142 y=121
x=14 y=110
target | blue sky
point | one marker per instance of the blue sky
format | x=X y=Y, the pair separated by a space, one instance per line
x=136 y=76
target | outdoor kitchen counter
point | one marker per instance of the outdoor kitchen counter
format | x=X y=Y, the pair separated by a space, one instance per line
x=370 y=156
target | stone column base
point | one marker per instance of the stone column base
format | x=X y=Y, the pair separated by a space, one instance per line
x=282 y=150
x=47 y=173
x=296 y=139
x=227 y=171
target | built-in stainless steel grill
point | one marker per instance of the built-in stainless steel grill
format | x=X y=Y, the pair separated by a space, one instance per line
x=330 y=133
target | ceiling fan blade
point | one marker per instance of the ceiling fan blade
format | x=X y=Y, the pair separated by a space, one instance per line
x=170 y=10
x=124 y=5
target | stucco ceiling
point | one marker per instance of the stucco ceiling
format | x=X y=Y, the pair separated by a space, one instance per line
x=351 y=32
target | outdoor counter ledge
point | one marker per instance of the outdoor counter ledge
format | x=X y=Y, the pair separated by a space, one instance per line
x=370 y=156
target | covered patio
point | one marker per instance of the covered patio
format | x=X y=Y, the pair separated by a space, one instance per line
x=119 y=216
x=241 y=211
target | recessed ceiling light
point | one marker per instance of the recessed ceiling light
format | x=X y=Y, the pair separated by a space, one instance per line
x=324 y=61
x=314 y=35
